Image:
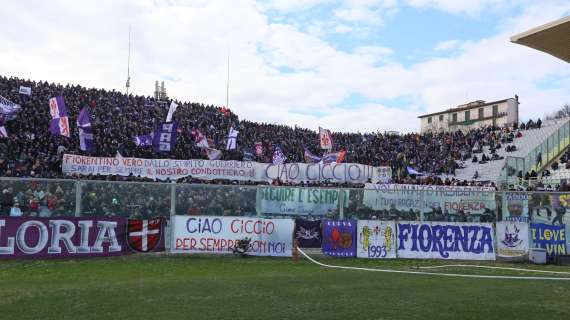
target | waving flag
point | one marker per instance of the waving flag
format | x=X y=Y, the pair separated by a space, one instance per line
x=171 y=111
x=310 y=157
x=164 y=138
x=232 y=139
x=59 y=121
x=200 y=139
x=85 y=131
x=3 y=132
x=325 y=139
x=258 y=149
x=25 y=90
x=248 y=155
x=9 y=108
x=278 y=156
x=213 y=154
x=337 y=157
x=414 y=171
x=144 y=140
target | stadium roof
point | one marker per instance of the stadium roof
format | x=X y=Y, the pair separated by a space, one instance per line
x=552 y=38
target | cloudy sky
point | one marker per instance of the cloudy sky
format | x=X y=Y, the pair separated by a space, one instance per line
x=353 y=65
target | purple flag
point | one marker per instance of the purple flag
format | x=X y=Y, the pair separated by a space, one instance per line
x=278 y=156
x=59 y=124
x=65 y=237
x=310 y=157
x=339 y=238
x=85 y=131
x=308 y=233
x=164 y=138
x=143 y=140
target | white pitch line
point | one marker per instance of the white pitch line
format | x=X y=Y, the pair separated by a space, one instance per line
x=428 y=273
x=490 y=267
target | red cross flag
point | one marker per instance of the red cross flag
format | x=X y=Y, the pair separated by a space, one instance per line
x=145 y=235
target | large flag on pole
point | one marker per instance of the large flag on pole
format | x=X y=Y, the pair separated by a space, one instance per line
x=85 y=130
x=164 y=139
x=278 y=156
x=232 y=139
x=325 y=139
x=171 y=111
x=59 y=121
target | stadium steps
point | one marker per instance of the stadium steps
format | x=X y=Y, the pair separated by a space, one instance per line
x=491 y=171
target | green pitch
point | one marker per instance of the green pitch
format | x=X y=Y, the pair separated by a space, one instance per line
x=215 y=287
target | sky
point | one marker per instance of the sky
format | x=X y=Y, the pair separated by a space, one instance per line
x=353 y=65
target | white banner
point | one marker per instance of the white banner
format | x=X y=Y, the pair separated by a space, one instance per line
x=218 y=169
x=512 y=238
x=446 y=240
x=376 y=239
x=26 y=90
x=209 y=234
x=450 y=199
x=298 y=201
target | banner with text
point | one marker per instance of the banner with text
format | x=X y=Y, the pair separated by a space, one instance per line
x=71 y=237
x=163 y=169
x=206 y=234
x=297 y=201
x=512 y=238
x=376 y=239
x=339 y=238
x=446 y=240
x=549 y=237
x=515 y=206
x=448 y=199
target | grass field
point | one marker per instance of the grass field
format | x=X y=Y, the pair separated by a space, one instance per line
x=214 y=287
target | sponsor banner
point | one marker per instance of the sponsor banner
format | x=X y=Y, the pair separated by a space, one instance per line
x=450 y=199
x=376 y=239
x=297 y=201
x=512 y=238
x=446 y=240
x=207 y=234
x=308 y=233
x=339 y=238
x=163 y=169
x=549 y=237
x=515 y=206
x=78 y=237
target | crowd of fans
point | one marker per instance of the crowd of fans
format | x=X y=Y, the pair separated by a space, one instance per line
x=31 y=151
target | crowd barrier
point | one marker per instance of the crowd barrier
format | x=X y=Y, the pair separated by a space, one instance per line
x=438 y=208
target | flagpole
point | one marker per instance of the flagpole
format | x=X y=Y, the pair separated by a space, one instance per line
x=129 y=64
x=228 y=82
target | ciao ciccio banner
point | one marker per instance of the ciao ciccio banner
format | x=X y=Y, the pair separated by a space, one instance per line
x=172 y=169
x=208 y=234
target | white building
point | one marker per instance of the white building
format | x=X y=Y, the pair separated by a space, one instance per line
x=472 y=115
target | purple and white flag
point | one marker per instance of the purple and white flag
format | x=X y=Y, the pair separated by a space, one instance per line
x=310 y=157
x=164 y=138
x=3 y=132
x=232 y=139
x=339 y=238
x=9 y=108
x=59 y=124
x=144 y=140
x=85 y=131
x=171 y=111
x=278 y=156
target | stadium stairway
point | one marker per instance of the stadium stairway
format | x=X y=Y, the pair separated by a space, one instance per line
x=491 y=171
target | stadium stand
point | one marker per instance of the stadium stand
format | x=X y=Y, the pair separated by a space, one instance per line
x=31 y=151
